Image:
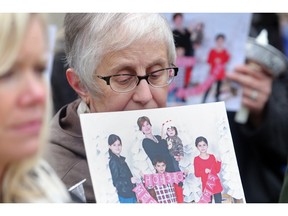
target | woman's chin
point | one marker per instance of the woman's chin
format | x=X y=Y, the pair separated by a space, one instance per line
x=27 y=149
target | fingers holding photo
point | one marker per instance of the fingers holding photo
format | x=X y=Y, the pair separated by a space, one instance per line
x=256 y=85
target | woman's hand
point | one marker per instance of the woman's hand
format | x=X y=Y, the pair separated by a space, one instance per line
x=257 y=86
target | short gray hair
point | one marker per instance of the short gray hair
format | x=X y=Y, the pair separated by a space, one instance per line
x=90 y=36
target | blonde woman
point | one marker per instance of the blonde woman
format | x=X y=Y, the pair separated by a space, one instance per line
x=24 y=176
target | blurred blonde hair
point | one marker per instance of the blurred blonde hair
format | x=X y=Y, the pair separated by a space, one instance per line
x=18 y=182
x=13 y=27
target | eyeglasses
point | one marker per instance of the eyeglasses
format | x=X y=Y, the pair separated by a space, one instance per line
x=127 y=82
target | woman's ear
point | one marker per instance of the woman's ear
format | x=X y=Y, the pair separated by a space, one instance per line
x=75 y=83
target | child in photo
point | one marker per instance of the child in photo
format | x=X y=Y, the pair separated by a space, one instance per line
x=176 y=150
x=122 y=177
x=174 y=143
x=218 y=58
x=164 y=193
x=205 y=164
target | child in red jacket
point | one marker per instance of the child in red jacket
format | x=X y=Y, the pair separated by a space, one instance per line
x=207 y=168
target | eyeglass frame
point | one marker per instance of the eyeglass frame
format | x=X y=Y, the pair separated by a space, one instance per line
x=145 y=77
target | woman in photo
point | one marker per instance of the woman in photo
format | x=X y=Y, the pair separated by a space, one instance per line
x=154 y=145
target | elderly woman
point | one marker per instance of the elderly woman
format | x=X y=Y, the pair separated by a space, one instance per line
x=24 y=176
x=126 y=62
x=116 y=62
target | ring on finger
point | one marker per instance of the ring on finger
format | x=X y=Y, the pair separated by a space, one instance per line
x=254 y=95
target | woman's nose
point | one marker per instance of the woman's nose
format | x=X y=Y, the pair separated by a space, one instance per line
x=34 y=89
x=143 y=92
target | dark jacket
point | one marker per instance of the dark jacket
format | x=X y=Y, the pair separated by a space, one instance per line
x=182 y=39
x=66 y=152
x=154 y=150
x=262 y=153
x=284 y=191
x=121 y=176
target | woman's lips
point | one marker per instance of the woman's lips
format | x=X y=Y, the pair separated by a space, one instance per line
x=28 y=127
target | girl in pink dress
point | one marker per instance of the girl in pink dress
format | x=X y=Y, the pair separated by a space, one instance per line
x=207 y=168
x=218 y=58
